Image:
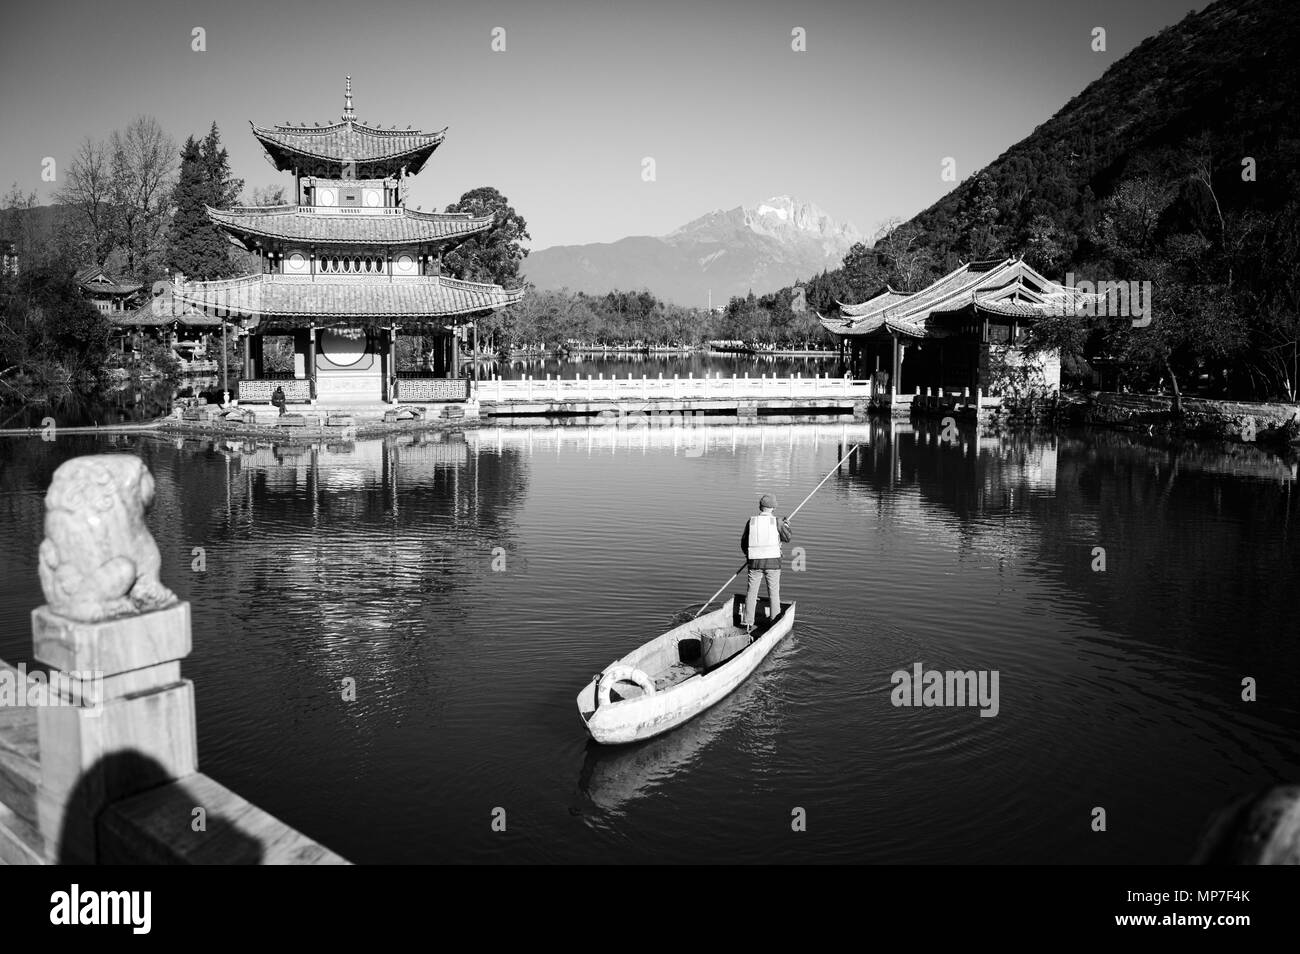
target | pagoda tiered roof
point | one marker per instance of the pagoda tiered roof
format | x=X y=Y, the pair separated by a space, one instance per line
x=1005 y=287
x=344 y=300
x=293 y=145
x=308 y=224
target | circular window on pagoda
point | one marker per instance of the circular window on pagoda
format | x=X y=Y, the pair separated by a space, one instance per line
x=405 y=263
x=326 y=197
x=343 y=347
x=372 y=198
x=297 y=263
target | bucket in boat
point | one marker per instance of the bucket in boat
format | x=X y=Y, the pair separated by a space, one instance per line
x=721 y=644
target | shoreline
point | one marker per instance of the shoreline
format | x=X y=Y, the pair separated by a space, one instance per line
x=1266 y=425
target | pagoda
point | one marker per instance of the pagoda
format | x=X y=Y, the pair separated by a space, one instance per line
x=347 y=268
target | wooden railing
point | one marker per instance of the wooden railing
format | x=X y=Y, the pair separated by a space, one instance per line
x=601 y=388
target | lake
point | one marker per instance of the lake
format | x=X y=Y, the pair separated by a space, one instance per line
x=374 y=561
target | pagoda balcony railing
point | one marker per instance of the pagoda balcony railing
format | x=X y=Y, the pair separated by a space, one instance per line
x=280 y=278
x=313 y=209
x=349 y=210
x=260 y=390
x=398 y=210
x=346 y=278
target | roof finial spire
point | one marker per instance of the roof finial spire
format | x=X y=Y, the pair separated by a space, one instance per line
x=348 y=113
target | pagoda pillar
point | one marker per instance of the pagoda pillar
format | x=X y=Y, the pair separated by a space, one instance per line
x=454 y=340
x=311 y=360
x=258 y=367
x=248 y=356
x=896 y=365
x=392 y=363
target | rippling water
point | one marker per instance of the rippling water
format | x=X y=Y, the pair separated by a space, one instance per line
x=374 y=561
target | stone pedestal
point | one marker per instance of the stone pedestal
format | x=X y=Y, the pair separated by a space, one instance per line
x=132 y=730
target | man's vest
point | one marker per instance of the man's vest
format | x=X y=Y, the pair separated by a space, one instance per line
x=764 y=540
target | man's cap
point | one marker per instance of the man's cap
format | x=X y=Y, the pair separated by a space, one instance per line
x=767 y=502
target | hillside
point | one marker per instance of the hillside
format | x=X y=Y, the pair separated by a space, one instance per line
x=1228 y=73
x=1180 y=168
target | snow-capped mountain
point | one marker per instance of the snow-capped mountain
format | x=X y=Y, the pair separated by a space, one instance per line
x=723 y=253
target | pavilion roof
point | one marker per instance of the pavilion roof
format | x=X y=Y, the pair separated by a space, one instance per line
x=162 y=310
x=398 y=226
x=95 y=280
x=297 y=145
x=291 y=145
x=1007 y=287
x=364 y=300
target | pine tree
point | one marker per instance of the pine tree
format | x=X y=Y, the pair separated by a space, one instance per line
x=224 y=188
x=198 y=249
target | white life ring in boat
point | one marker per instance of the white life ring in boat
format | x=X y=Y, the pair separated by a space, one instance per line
x=622 y=674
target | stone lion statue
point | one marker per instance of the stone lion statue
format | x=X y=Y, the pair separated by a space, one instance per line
x=98 y=559
x=1262 y=828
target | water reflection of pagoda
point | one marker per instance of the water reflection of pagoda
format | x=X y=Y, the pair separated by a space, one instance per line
x=346 y=267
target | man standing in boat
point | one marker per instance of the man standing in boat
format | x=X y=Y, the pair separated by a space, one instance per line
x=761 y=541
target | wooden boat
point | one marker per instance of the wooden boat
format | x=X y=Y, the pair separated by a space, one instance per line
x=665 y=682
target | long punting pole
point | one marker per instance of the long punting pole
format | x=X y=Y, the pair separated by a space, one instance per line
x=792 y=513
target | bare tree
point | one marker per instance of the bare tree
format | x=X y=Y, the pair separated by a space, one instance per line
x=901 y=251
x=885 y=227
x=269 y=195
x=18 y=225
x=87 y=192
x=144 y=161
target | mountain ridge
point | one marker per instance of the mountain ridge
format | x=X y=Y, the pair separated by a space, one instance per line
x=722 y=253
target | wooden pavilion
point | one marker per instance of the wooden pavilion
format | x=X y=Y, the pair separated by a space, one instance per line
x=346 y=268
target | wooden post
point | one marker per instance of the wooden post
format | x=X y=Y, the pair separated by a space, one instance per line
x=896 y=365
x=258 y=348
x=455 y=354
x=225 y=376
x=392 y=363
x=248 y=356
x=311 y=361
x=941 y=378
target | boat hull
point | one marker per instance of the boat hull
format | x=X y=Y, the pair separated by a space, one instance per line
x=644 y=717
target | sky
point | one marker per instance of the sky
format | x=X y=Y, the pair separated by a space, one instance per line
x=564 y=118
